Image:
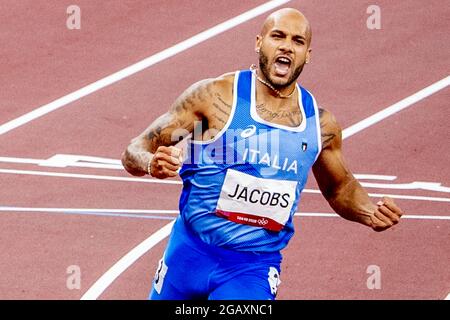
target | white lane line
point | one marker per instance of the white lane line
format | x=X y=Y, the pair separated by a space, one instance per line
x=105 y=214
x=142 y=213
x=141 y=65
x=447 y=297
x=21 y=160
x=66 y=160
x=394 y=196
x=82 y=210
x=86 y=176
x=407 y=216
x=405 y=197
x=368 y=176
x=430 y=186
x=407 y=102
x=116 y=270
x=177 y=182
x=120 y=213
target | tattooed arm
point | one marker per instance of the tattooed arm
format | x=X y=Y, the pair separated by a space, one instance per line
x=153 y=149
x=340 y=188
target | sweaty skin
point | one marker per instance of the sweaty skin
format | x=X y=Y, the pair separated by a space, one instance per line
x=286 y=35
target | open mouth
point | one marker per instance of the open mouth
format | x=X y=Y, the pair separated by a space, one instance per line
x=282 y=65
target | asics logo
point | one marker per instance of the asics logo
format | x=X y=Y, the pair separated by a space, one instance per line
x=248 y=132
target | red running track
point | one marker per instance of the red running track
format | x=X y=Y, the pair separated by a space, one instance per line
x=355 y=73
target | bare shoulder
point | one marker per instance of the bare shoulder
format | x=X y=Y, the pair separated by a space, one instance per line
x=199 y=95
x=225 y=79
x=223 y=86
x=331 y=131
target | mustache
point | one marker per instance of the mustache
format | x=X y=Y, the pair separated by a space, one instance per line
x=264 y=67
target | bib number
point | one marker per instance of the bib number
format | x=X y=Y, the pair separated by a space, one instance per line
x=259 y=202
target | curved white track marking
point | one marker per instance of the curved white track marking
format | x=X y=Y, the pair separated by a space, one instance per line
x=389 y=111
x=141 y=65
x=105 y=280
x=447 y=297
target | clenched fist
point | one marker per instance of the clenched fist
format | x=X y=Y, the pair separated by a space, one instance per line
x=165 y=163
x=386 y=215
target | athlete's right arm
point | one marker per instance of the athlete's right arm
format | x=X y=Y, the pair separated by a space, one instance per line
x=152 y=152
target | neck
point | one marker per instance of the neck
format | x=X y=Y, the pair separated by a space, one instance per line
x=274 y=90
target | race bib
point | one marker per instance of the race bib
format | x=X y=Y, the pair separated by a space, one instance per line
x=256 y=201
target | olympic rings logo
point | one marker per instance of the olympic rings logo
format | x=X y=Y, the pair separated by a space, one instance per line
x=263 y=222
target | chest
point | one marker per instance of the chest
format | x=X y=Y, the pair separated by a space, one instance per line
x=218 y=116
x=289 y=117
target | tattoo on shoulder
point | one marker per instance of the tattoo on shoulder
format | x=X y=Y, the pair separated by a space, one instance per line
x=179 y=116
x=203 y=102
x=219 y=97
x=328 y=126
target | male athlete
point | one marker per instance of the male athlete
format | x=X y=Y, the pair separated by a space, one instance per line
x=253 y=137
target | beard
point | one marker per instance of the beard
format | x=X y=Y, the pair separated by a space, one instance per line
x=263 y=65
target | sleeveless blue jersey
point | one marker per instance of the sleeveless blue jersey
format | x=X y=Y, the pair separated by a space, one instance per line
x=242 y=187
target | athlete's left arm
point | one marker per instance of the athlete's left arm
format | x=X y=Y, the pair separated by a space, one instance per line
x=341 y=189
